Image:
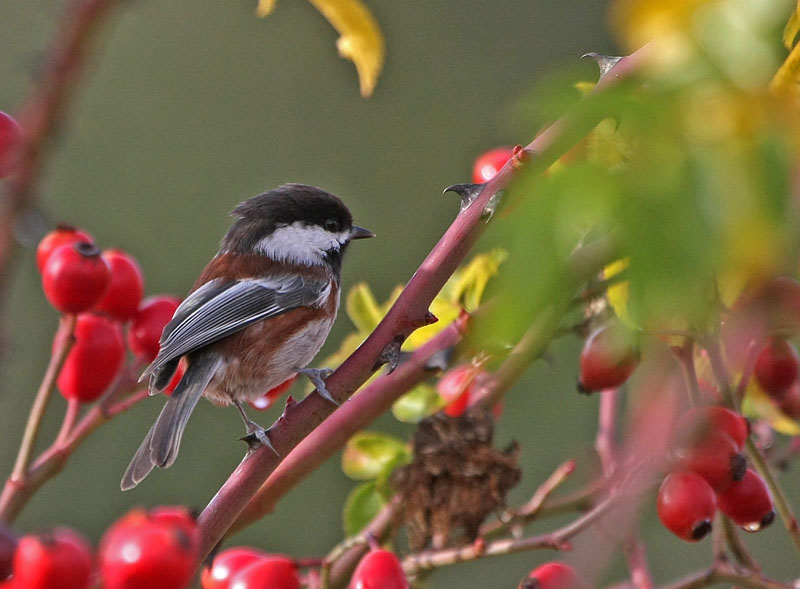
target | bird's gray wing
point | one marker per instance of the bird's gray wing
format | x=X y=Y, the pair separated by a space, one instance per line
x=218 y=309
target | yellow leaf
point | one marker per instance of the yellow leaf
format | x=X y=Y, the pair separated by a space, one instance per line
x=618 y=292
x=792 y=28
x=757 y=403
x=465 y=287
x=265 y=7
x=360 y=40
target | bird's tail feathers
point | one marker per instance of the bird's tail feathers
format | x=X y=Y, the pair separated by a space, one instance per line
x=161 y=444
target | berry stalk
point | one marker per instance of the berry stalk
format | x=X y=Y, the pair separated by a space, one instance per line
x=64 y=341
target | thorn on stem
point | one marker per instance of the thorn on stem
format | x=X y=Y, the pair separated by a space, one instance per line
x=519 y=157
x=390 y=355
x=469 y=192
x=604 y=62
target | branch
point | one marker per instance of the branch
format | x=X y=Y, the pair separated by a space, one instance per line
x=515 y=519
x=778 y=496
x=64 y=339
x=726 y=573
x=605 y=440
x=409 y=312
x=557 y=540
x=16 y=493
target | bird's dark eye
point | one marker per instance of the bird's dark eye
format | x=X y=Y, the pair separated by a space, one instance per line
x=332 y=225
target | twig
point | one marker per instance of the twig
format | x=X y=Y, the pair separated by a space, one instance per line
x=711 y=344
x=63 y=343
x=71 y=414
x=778 y=496
x=605 y=441
x=606 y=446
x=526 y=513
x=636 y=555
x=557 y=540
x=15 y=495
x=737 y=547
x=685 y=356
x=726 y=573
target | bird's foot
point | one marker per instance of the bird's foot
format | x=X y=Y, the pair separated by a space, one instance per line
x=256 y=435
x=317 y=377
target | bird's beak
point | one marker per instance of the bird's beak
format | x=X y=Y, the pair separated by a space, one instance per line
x=360 y=233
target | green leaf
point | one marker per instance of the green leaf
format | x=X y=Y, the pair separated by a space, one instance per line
x=362 y=505
x=417 y=404
x=366 y=454
x=362 y=308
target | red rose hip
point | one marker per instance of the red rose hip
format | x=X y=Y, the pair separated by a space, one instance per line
x=489 y=163
x=748 y=502
x=454 y=388
x=75 y=277
x=153 y=551
x=379 y=569
x=608 y=358
x=777 y=366
x=226 y=565
x=126 y=286
x=686 y=505
x=145 y=330
x=716 y=458
x=60 y=558
x=702 y=423
x=268 y=572
x=94 y=360
x=553 y=575
x=61 y=235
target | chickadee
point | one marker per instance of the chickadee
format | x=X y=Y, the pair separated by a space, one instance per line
x=256 y=316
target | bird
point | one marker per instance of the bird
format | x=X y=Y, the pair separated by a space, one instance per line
x=256 y=316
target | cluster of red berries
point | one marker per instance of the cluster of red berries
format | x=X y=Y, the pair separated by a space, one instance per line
x=710 y=473
x=104 y=289
x=157 y=549
x=248 y=568
x=553 y=575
